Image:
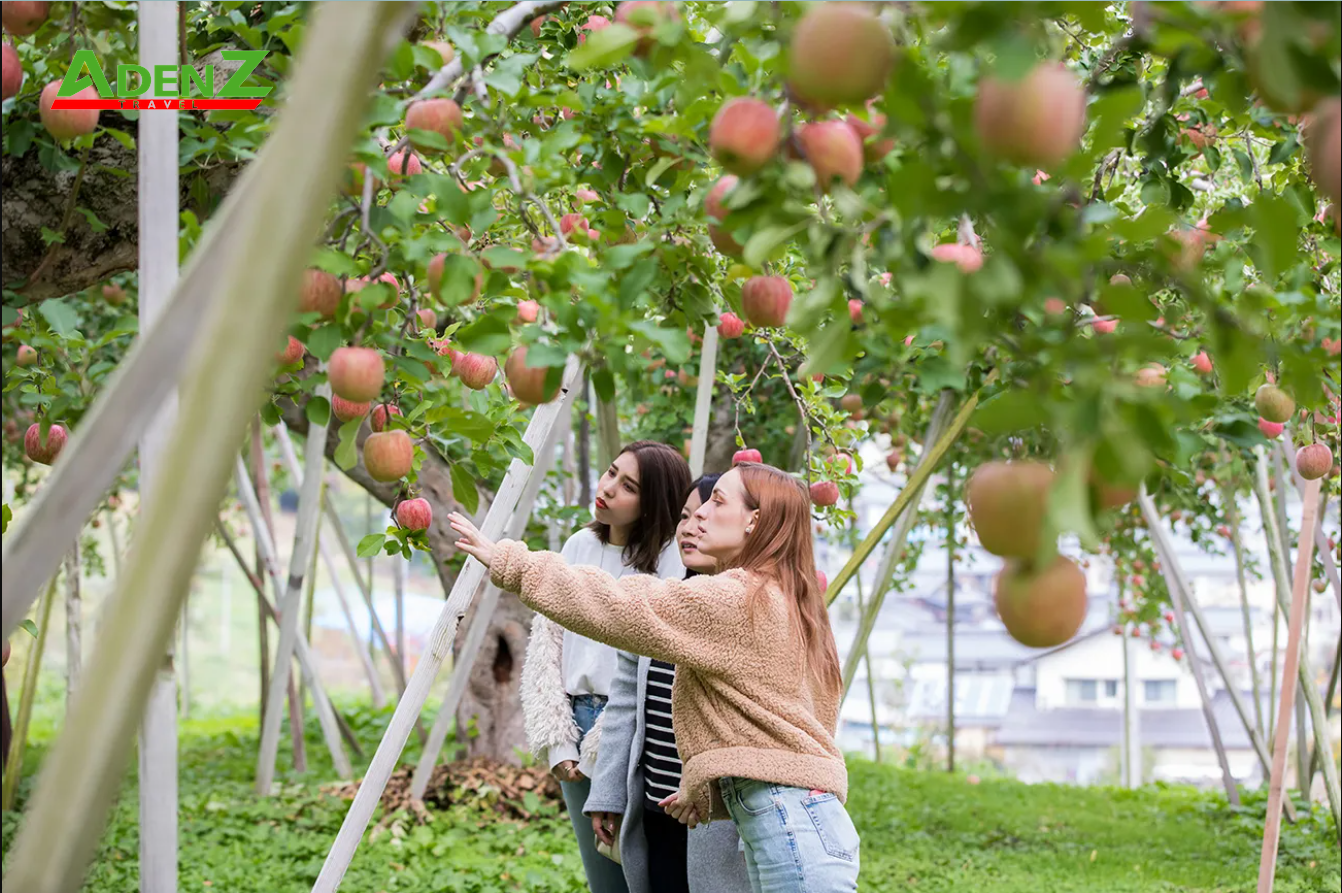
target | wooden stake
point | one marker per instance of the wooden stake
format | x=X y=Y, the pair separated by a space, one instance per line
x=1267 y=867
x=941 y=442
x=74 y=648
x=27 y=694
x=440 y=647
x=1232 y=510
x=703 y=400
x=288 y=186
x=1177 y=598
x=484 y=612
x=950 y=617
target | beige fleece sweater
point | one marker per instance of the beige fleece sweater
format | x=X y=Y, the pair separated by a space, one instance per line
x=744 y=705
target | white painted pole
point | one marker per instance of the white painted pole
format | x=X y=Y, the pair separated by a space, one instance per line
x=398 y=603
x=158 y=219
x=703 y=400
x=440 y=648
x=226 y=622
x=484 y=612
x=73 y=626
x=290 y=608
x=1132 y=725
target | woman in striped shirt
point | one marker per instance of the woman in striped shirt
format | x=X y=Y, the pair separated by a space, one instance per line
x=639 y=766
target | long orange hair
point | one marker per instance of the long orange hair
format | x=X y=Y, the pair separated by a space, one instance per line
x=780 y=549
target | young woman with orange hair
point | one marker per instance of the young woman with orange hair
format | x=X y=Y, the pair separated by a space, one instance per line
x=757 y=688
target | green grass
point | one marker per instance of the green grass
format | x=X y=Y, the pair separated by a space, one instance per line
x=922 y=831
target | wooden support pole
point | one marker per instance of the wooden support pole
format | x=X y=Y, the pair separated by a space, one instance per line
x=440 y=647
x=74 y=609
x=950 y=617
x=1132 y=717
x=1177 y=599
x=939 y=440
x=607 y=431
x=27 y=694
x=290 y=608
x=1232 y=517
x=703 y=400
x=1308 y=684
x=1267 y=867
x=914 y=489
x=871 y=679
x=158 y=219
x=398 y=597
x=1182 y=592
x=484 y=612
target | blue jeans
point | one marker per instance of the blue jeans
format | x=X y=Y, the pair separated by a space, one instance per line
x=795 y=842
x=603 y=875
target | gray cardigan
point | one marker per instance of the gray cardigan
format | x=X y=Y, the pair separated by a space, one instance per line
x=716 y=862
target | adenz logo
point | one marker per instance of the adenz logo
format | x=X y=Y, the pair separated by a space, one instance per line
x=168 y=86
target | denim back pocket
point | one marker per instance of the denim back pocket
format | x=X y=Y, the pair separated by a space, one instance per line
x=754 y=797
x=832 y=823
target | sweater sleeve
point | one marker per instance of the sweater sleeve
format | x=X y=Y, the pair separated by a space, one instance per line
x=698 y=622
x=619 y=721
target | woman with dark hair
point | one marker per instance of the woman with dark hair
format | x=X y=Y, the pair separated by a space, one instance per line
x=757 y=672
x=640 y=766
x=566 y=676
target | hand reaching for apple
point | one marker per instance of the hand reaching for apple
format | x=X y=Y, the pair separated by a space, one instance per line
x=472 y=542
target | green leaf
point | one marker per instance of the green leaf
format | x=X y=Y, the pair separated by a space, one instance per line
x=60 y=316
x=675 y=343
x=1277 y=227
x=762 y=245
x=463 y=488
x=662 y=166
x=29 y=627
x=318 y=410
x=488 y=335
x=370 y=545
x=1008 y=411
x=270 y=414
x=347 y=450
x=323 y=340
x=604 y=382
x=6 y=515
x=1069 y=507
x=604 y=48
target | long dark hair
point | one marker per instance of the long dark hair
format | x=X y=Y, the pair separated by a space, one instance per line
x=780 y=549
x=663 y=476
x=704 y=484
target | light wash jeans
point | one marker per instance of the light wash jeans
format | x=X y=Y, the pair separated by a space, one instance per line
x=795 y=841
x=603 y=875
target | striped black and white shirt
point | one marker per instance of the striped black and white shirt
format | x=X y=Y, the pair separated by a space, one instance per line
x=661 y=761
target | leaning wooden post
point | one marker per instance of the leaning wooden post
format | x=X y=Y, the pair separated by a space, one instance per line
x=871 y=679
x=913 y=489
x=74 y=608
x=296 y=173
x=484 y=611
x=1180 y=590
x=398 y=600
x=1132 y=717
x=703 y=400
x=1318 y=715
x=440 y=647
x=1232 y=518
x=1267 y=866
x=1177 y=598
x=27 y=694
x=938 y=440
x=290 y=608
x=158 y=219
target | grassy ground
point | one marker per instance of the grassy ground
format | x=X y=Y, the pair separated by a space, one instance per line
x=921 y=831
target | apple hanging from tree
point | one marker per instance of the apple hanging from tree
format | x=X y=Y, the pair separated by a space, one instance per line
x=746 y=455
x=1313 y=461
x=66 y=124
x=765 y=300
x=1041 y=609
x=1271 y=430
x=833 y=149
x=44 y=450
x=388 y=455
x=476 y=371
x=731 y=326
x=382 y=413
x=744 y=135
x=440 y=116
x=840 y=54
x=26 y=355
x=1273 y=403
x=1007 y=502
x=356 y=373
x=528 y=383
x=414 y=514
x=824 y=493
x=347 y=410
x=1036 y=121
x=11 y=72
x=320 y=294
x=967 y=257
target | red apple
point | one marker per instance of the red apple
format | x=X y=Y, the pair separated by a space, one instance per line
x=731 y=326
x=475 y=370
x=744 y=135
x=435 y=277
x=358 y=284
x=716 y=209
x=1037 y=120
x=644 y=16
x=292 y=353
x=1271 y=430
x=840 y=54
x=527 y=311
x=348 y=410
x=967 y=257
x=1202 y=363
x=1104 y=326
x=824 y=493
x=766 y=299
x=593 y=23
x=399 y=167
x=746 y=455
x=23 y=17
x=444 y=49
x=528 y=383
x=26 y=355
x=1313 y=461
x=388 y=455
x=114 y=294
x=356 y=373
x=1177 y=653
x=66 y=124
x=569 y=222
x=833 y=149
x=381 y=414
x=855 y=311
x=44 y=450
x=441 y=116
x=320 y=294
x=822 y=580
x=428 y=319
x=414 y=514
x=874 y=147
x=11 y=72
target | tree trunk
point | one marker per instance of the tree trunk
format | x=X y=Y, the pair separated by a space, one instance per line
x=493 y=692
x=721 y=437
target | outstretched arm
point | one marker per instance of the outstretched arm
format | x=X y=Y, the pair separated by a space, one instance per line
x=698 y=622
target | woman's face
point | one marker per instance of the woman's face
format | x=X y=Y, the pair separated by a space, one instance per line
x=724 y=518
x=687 y=537
x=617 y=493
